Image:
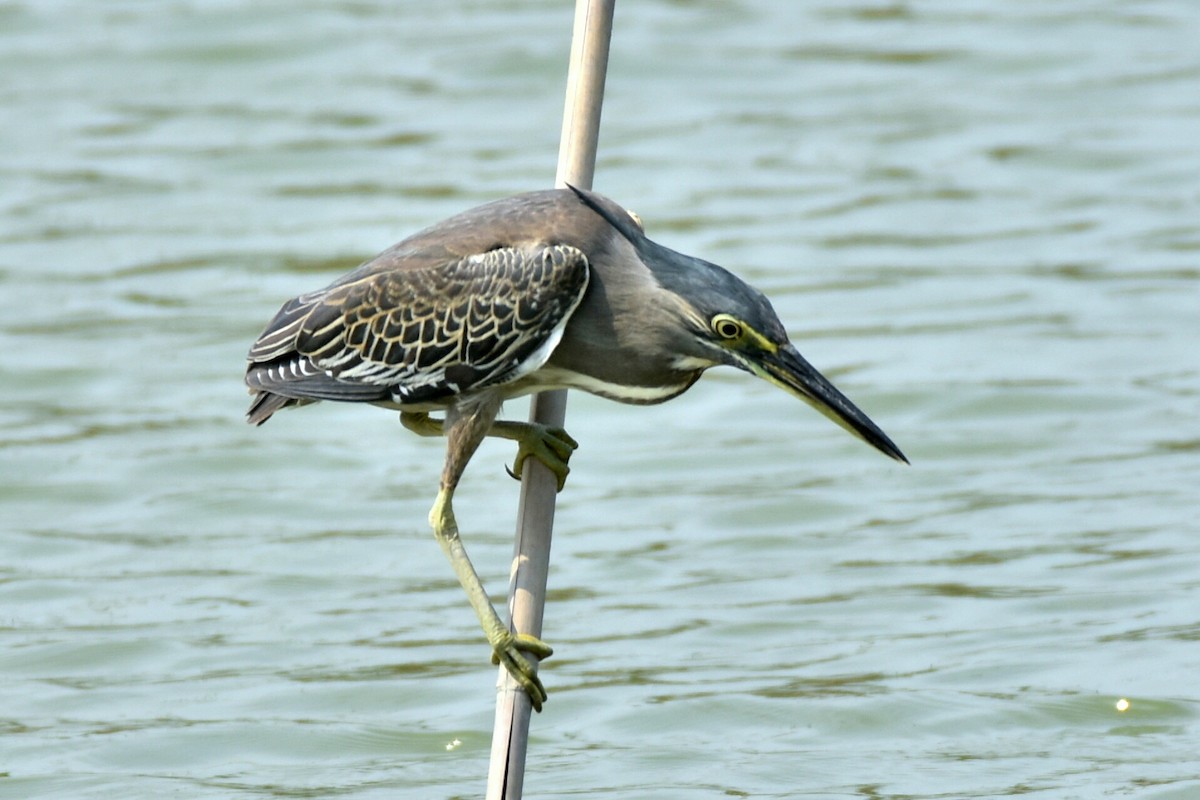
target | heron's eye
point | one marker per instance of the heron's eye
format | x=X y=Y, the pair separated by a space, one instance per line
x=726 y=326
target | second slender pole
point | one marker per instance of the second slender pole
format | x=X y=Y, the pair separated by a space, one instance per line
x=535 y=515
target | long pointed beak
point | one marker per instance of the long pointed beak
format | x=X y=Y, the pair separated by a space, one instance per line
x=787 y=369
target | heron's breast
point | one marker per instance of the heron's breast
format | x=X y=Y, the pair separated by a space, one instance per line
x=623 y=388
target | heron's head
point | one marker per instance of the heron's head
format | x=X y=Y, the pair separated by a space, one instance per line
x=716 y=318
x=734 y=324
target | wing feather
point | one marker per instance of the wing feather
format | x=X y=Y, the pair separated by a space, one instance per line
x=420 y=334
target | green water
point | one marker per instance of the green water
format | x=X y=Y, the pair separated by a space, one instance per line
x=982 y=220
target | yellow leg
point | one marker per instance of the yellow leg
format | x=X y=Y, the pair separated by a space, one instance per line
x=464 y=427
x=508 y=648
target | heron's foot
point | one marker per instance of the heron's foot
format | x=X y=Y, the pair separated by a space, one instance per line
x=421 y=423
x=508 y=649
x=551 y=446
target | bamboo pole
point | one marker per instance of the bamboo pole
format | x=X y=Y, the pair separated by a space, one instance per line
x=535 y=515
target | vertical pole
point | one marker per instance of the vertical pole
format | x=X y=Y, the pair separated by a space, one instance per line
x=535 y=515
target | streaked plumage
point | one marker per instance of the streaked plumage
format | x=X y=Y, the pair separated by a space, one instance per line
x=419 y=336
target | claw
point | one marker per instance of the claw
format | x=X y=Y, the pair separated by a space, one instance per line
x=551 y=446
x=507 y=650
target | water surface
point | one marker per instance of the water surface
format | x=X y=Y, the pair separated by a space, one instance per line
x=982 y=220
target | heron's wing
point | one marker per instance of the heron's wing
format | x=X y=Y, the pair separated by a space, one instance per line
x=420 y=334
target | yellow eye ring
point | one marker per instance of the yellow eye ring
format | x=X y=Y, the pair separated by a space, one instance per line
x=726 y=327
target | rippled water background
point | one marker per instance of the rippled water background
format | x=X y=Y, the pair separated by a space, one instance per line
x=981 y=219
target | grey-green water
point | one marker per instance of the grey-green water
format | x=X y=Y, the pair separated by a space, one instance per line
x=981 y=219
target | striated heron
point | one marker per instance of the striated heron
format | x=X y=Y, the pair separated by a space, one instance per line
x=557 y=289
